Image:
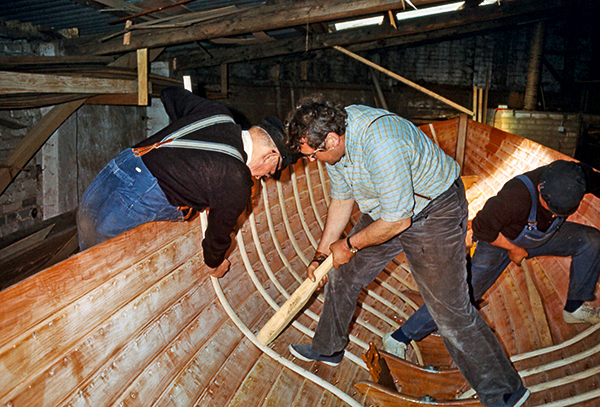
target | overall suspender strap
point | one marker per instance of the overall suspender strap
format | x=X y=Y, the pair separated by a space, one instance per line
x=172 y=140
x=532 y=219
x=207 y=146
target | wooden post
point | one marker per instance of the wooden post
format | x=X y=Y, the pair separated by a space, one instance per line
x=293 y=305
x=224 y=80
x=461 y=140
x=404 y=80
x=486 y=94
x=127 y=35
x=480 y=105
x=304 y=71
x=378 y=90
x=142 y=71
x=474 y=103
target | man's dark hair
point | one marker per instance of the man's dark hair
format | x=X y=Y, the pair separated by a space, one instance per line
x=313 y=119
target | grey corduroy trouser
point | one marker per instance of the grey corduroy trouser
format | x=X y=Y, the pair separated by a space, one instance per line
x=434 y=245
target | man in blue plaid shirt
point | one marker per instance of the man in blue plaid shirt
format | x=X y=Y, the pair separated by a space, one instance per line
x=413 y=201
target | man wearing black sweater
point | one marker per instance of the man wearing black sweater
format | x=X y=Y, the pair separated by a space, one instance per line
x=201 y=160
x=528 y=219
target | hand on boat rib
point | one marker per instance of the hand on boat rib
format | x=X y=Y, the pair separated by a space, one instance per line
x=220 y=271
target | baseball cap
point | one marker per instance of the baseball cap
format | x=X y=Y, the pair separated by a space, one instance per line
x=562 y=185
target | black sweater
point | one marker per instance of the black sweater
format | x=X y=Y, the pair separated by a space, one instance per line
x=508 y=211
x=202 y=179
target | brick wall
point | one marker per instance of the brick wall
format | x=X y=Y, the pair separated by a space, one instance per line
x=20 y=204
x=559 y=131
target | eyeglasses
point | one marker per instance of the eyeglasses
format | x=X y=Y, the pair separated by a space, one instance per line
x=313 y=155
x=277 y=167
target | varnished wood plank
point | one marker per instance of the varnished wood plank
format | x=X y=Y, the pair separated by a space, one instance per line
x=257 y=383
x=541 y=321
x=383 y=397
x=66 y=331
x=35 y=299
x=417 y=381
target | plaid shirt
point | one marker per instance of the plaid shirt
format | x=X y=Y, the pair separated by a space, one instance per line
x=391 y=168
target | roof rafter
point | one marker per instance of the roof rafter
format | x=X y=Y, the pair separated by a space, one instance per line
x=462 y=22
x=249 y=20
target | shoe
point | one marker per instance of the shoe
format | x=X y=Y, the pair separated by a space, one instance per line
x=516 y=399
x=582 y=315
x=304 y=352
x=396 y=348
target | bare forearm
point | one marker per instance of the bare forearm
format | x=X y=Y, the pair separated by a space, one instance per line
x=378 y=232
x=338 y=217
x=515 y=253
x=504 y=243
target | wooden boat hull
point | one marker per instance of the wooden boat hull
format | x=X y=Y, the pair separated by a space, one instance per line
x=136 y=320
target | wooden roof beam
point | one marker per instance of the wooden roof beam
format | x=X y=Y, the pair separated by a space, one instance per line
x=409 y=32
x=16 y=82
x=249 y=20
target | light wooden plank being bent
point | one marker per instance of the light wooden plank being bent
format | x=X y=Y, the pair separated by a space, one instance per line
x=293 y=305
x=276 y=283
x=17 y=82
x=271 y=353
x=285 y=218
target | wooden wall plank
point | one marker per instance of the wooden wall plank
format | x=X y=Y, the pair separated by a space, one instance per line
x=17 y=82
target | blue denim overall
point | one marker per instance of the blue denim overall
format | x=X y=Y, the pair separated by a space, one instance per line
x=125 y=194
x=530 y=237
x=563 y=239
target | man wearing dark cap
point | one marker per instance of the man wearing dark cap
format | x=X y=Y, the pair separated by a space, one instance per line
x=203 y=159
x=528 y=219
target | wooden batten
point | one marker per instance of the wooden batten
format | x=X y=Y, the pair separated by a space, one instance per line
x=142 y=71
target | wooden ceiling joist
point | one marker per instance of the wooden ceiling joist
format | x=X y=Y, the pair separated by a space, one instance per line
x=250 y=20
x=409 y=32
x=28 y=60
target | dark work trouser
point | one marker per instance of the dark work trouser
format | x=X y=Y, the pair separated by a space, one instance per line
x=435 y=249
x=580 y=242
